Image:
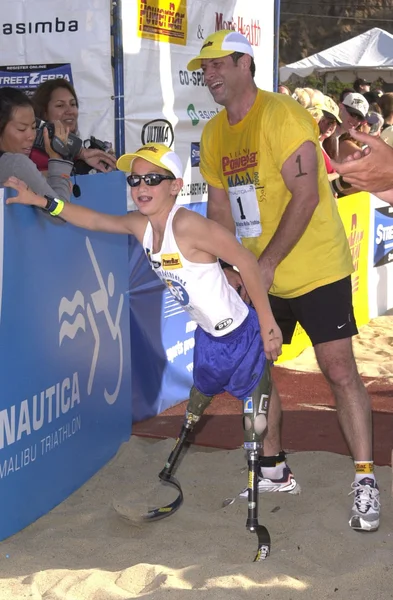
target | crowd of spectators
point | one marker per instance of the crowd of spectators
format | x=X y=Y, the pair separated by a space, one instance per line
x=45 y=169
x=357 y=107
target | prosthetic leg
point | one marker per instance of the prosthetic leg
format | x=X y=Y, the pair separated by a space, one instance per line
x=254 y=423
x=196 y=406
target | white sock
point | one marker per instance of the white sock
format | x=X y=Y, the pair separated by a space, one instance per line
x=364 y=468
x=276 y=472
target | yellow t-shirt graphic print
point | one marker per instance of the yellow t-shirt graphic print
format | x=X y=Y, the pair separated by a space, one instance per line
x=246 y=160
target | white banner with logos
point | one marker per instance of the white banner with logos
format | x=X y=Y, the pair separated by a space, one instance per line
x=163 y=101
x=48 y=36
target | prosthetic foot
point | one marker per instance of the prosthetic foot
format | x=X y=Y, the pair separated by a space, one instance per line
x=254 y=423
x=196 y=406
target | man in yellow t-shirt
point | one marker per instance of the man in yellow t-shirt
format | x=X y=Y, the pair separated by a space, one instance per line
x=267 y=182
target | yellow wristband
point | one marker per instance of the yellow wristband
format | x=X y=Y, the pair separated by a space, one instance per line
x=58 y=209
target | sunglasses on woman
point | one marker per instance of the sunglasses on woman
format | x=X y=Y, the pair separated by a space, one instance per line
x=355 y=115
x=151 y=179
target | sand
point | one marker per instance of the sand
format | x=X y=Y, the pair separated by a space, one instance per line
x=82 y=550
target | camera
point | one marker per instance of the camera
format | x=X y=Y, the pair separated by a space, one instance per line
x=97 y=144
x=340 y=187
x=68 y=150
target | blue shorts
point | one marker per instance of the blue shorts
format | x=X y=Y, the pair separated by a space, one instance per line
x=232 y=363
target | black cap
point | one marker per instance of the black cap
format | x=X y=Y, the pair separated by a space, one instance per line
x=361 y=82
x=372 y=97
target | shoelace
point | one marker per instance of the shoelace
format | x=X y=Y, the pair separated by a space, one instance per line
x=365 y=497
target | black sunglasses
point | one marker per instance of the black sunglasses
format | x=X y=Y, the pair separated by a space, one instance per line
x=150 y=179
x=355 y=115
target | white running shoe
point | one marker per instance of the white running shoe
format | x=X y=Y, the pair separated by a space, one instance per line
x=366 y=505
x=287 y=483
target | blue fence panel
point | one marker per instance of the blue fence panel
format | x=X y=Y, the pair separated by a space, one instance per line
x=65 y=365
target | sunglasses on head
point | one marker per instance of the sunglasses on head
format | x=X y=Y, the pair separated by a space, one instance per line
x=150 y=179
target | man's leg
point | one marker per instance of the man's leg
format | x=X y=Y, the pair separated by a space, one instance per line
x=272 y=441
x=338 y=365
x=326 y=314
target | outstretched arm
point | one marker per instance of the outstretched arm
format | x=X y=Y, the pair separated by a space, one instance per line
x=81 y=216
x=200 y=234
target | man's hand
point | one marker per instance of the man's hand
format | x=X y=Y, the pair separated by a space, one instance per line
x=98 y=159
x=236 y=282
x=25 y=195
x=370 y=169
x=267 y=271
x=272 y=340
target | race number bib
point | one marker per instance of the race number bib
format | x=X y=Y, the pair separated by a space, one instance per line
x=245 y=210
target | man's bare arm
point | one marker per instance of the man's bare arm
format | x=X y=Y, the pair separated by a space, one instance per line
x=300 y=174
x=219 y=208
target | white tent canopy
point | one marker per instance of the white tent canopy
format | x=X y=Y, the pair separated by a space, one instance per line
x=369 y=55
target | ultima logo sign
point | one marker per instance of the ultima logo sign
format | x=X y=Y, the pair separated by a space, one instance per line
x=56 y=26
x=158 y=131
x=250 y=29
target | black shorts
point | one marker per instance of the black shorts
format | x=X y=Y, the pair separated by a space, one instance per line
x=326 y=313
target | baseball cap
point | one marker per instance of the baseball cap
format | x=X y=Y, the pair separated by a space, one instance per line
x=375 y=120
x=302 y=96
x=157 y=154
x=219 y=44
x=361 y=81
x=357 y=103
x=324 y=106
x=373 y=96
x=330 y=108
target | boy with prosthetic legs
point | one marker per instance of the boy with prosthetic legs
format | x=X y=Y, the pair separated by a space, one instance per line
x=233 y=342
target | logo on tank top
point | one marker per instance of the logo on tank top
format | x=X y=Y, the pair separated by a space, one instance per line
x=223 y=324
x=171 y=261
x=177 y=291
x=154 y=263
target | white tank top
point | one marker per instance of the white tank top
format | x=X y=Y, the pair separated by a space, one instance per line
x=202 y=289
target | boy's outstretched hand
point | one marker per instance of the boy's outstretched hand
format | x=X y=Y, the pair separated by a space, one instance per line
x=25 y=195
x=272 y=341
